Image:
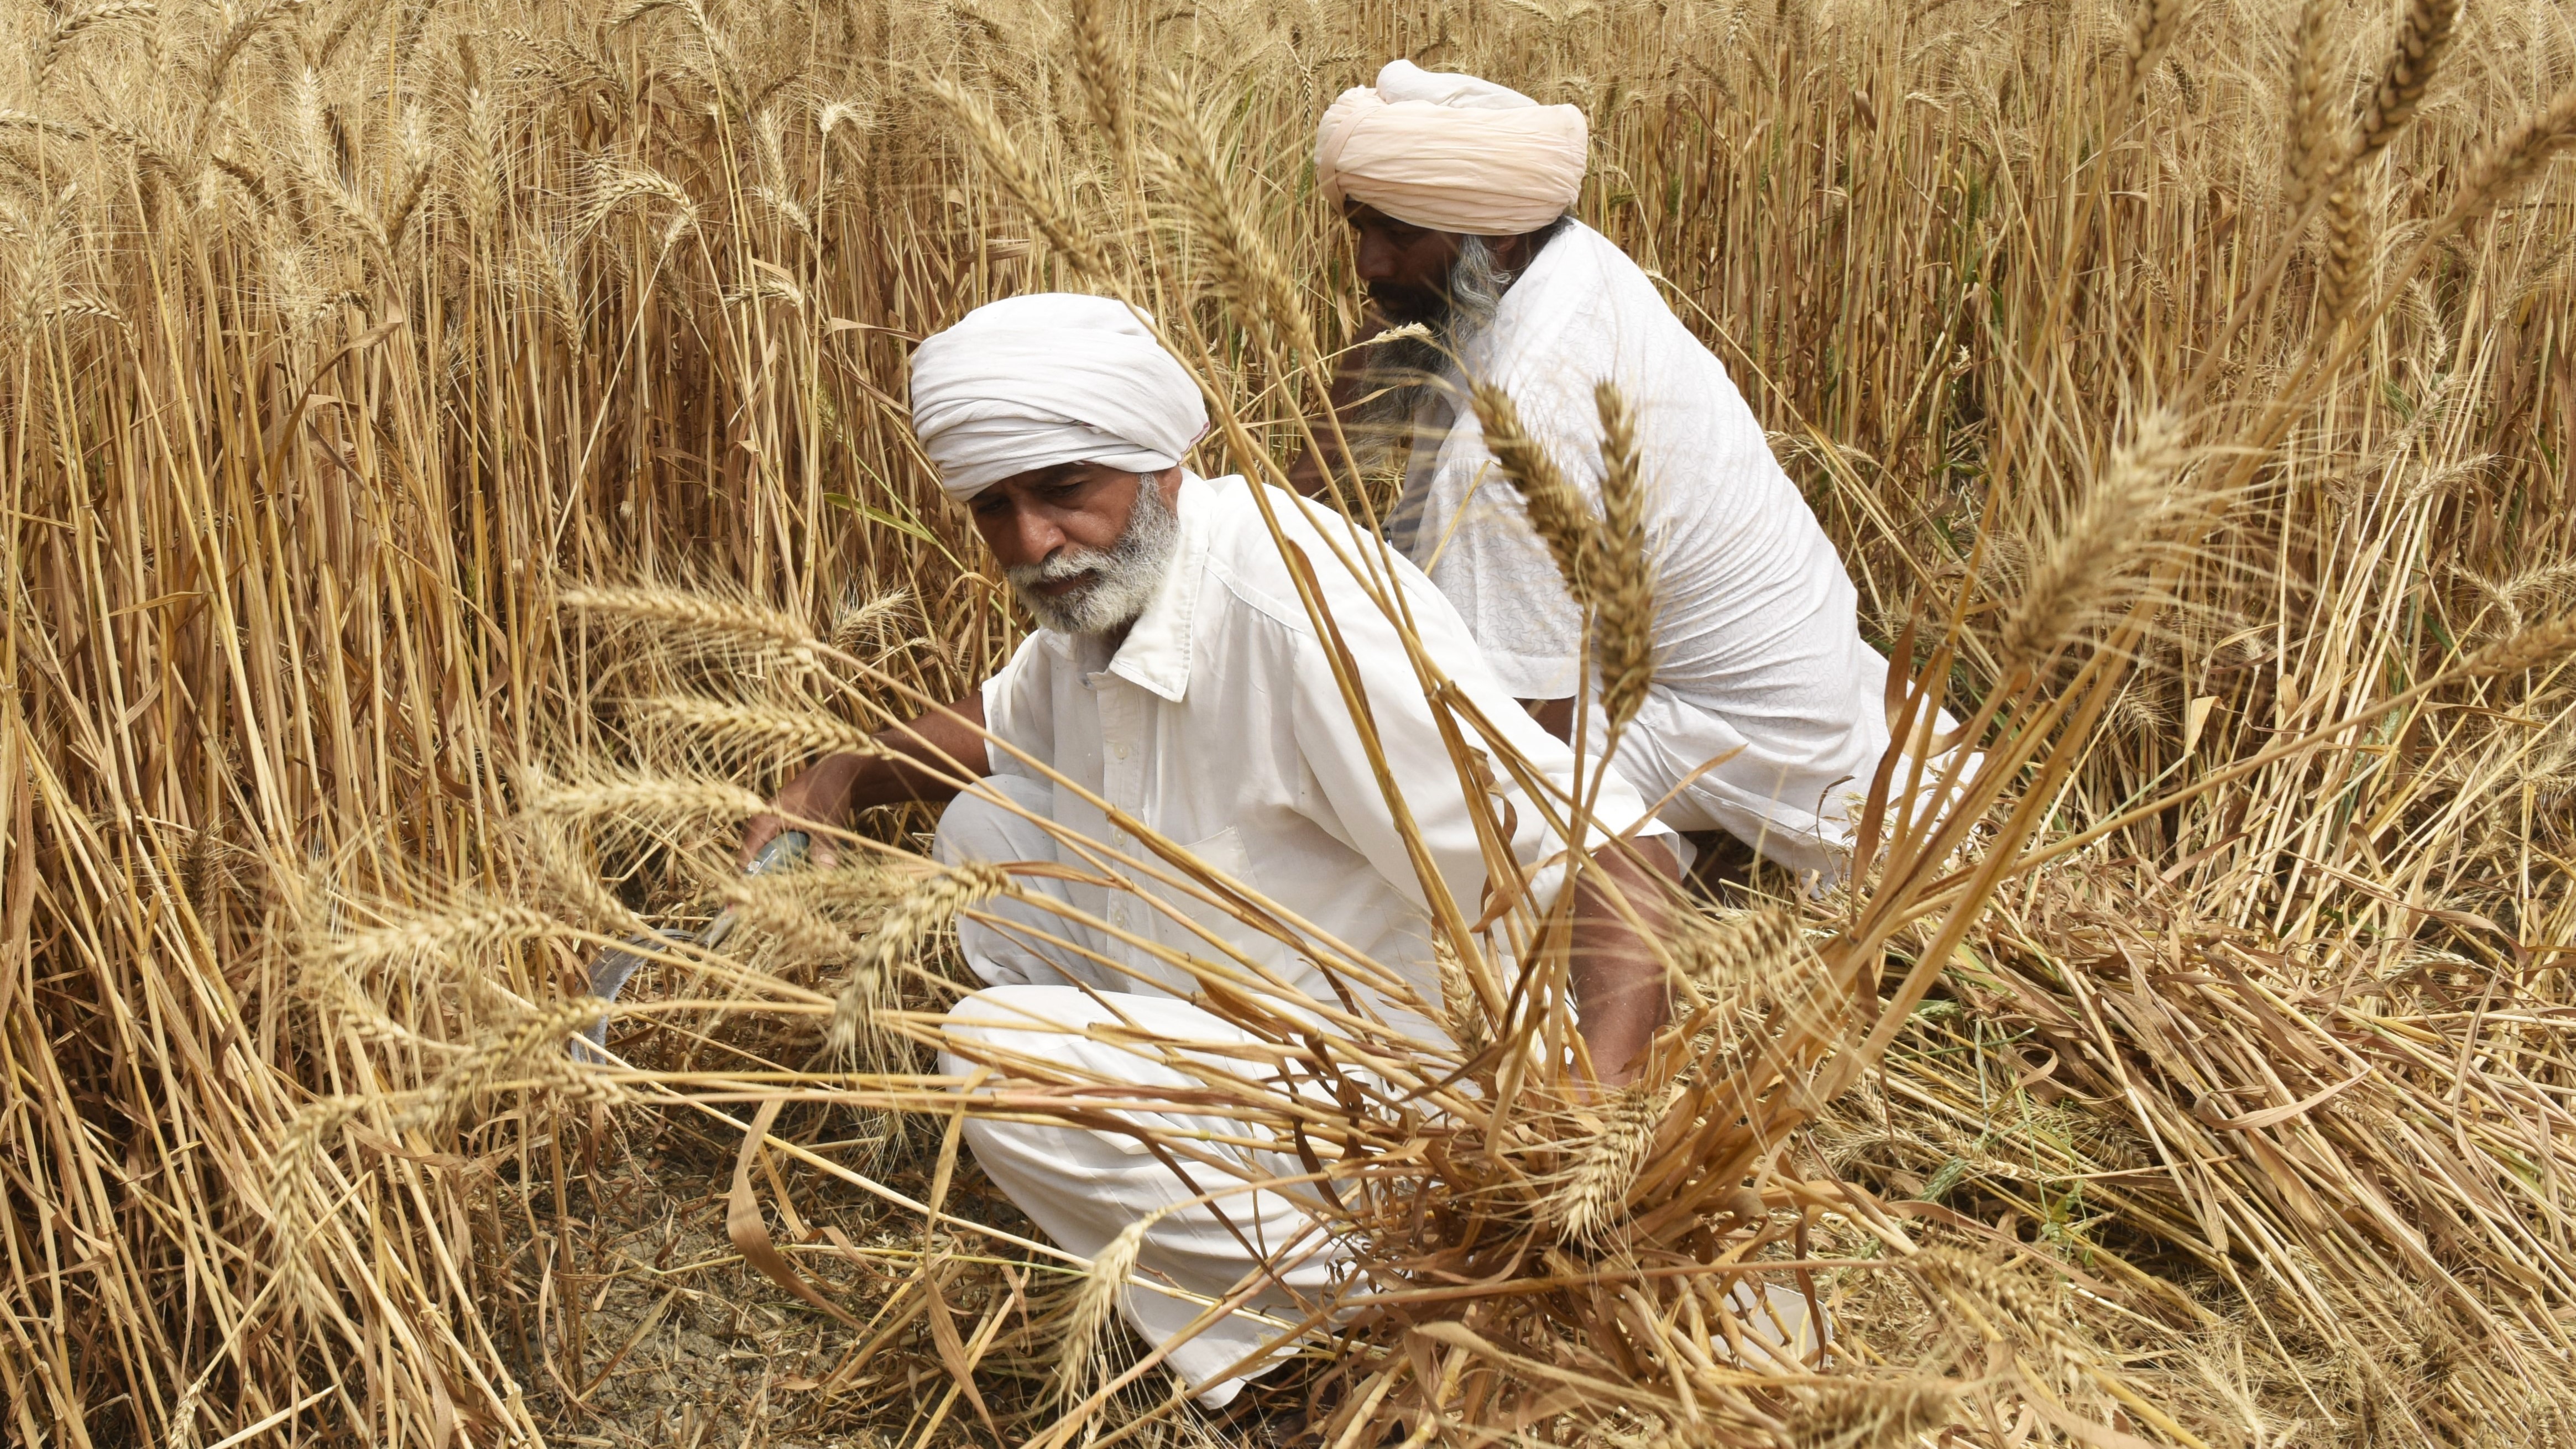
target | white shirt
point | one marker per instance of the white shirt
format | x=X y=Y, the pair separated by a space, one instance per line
x=1759 y=661
x=1218 y=724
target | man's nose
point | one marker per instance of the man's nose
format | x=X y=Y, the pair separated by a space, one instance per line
x=1374 y=258
x=1034 y=535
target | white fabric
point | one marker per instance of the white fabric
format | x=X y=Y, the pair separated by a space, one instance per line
x=1055 y=377
x=1219 y=725
x=1759 y=662
x=1451 y=152
x=1083 y=1188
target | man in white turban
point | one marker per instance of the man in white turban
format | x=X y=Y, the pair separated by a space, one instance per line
x=1178 y=710
x=1767 y=715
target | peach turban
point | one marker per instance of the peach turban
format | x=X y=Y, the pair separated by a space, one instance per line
x=1451 y=152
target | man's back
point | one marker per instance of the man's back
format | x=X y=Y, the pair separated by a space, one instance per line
x=1758 y=659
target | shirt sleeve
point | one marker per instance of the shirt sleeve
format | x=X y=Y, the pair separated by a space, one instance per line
x=1019 y=707
x=1354 y=806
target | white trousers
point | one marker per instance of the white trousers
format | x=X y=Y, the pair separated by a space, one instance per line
x=1084 y=1187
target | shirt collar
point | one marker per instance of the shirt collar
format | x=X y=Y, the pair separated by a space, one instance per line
x=1156 y=655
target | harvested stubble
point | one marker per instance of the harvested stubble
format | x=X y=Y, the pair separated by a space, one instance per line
x=344 y=340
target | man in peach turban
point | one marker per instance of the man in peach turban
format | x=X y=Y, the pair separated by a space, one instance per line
x=1766 y=719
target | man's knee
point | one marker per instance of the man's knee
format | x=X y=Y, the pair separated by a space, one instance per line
x=980 y=824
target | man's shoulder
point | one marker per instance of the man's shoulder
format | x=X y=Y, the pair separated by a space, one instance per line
x=1247 y=560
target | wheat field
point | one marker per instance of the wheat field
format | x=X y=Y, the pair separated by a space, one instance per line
x=456 y=465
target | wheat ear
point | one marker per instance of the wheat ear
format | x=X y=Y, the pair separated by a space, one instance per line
x=2088 y=564
x=1870 y=1414
x=2510 y=163
x=2311 y=129
x=1556 y=511
x=1592 y=1199
x=1248 y=270
x=1095 y=1300
x=1049 y=209
x=1623 y=626
x=2404 y=76
x=2151 y=32
x=2535 y=647
x=698 y=616
x=923 y=911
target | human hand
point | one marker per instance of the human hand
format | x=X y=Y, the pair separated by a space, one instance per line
x=820 y=795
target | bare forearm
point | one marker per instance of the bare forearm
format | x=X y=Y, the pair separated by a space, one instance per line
x=1618 y=982
x=930 y=758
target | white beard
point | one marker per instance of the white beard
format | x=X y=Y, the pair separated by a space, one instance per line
x=1129 y=572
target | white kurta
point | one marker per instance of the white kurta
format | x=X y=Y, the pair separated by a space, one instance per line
x=1218 y=724
x=1759 y=661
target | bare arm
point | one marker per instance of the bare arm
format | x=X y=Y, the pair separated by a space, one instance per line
x=922 y=761
x=1618 y=984
x=1556 y=716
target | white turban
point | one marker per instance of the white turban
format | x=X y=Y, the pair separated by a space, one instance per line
x=1451 y=152
x=1030 y=382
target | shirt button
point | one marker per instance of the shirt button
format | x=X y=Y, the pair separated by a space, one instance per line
x=1122 y=752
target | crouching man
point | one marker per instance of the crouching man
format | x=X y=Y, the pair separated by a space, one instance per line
x=1178 y=694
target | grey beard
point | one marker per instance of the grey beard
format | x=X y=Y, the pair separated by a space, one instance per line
x=1130 y=571
x=1403 y=370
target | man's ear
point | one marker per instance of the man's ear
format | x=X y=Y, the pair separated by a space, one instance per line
x=1169 y=481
